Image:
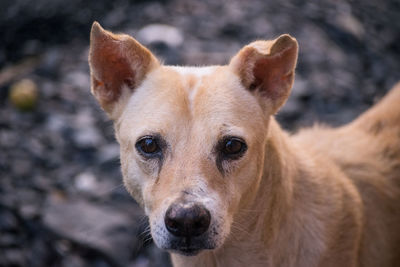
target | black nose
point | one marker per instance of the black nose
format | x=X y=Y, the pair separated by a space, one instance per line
x=187 y=219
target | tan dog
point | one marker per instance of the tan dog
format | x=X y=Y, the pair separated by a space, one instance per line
x=224 y=185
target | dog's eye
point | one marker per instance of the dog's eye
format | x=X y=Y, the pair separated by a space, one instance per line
x=148 y=146
x=233 y=147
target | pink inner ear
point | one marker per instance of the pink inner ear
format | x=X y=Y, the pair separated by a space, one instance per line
x=267 y=75
x=274 y=74
x=112 y=71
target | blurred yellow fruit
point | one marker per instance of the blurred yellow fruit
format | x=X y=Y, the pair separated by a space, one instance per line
x=24 y=94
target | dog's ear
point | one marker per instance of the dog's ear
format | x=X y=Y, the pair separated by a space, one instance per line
x=267 y=69
x=118 y=64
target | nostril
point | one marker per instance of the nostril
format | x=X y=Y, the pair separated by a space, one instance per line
x=187 y=219
x=172 y=220
x=171 y=224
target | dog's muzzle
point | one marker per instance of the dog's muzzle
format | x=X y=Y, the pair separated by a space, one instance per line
x=188 y=222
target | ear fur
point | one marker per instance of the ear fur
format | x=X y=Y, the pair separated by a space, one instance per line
x=267 y=69
x=117 y=63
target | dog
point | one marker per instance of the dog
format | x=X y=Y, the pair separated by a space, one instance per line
x=224 y=185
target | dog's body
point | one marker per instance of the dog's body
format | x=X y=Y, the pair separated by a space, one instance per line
x=224 y=185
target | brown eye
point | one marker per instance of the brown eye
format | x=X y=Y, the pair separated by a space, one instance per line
x=148 y=146
x=232 y=147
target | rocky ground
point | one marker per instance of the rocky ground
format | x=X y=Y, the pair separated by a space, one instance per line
x=62 y=202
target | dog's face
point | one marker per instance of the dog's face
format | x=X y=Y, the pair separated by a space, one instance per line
x=191 y=145
x=192 y=138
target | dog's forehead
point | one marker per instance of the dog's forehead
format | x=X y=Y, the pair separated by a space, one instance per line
x=191 y=80
x=173 y=97
x=211 y=90
x=199 y=86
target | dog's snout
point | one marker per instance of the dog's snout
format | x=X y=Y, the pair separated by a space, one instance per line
x=187 y=219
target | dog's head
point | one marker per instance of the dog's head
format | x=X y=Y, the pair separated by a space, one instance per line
x=192 y=138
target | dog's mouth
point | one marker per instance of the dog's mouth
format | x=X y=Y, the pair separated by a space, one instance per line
x=186 y=251
x=189 y=246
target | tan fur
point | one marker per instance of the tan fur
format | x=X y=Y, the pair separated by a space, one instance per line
x=323 y=197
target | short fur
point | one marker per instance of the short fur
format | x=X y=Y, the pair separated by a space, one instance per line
x=323 y=197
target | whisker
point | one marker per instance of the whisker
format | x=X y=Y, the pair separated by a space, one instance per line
x=147 y=240
x=237 y=226
x=250 y=210
x=145 y=232
x=113 y=189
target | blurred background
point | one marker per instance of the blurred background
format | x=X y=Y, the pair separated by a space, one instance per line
x=62 y=202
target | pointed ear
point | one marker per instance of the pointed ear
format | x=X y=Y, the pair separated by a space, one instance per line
x=118 y=64
x=267 y=69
